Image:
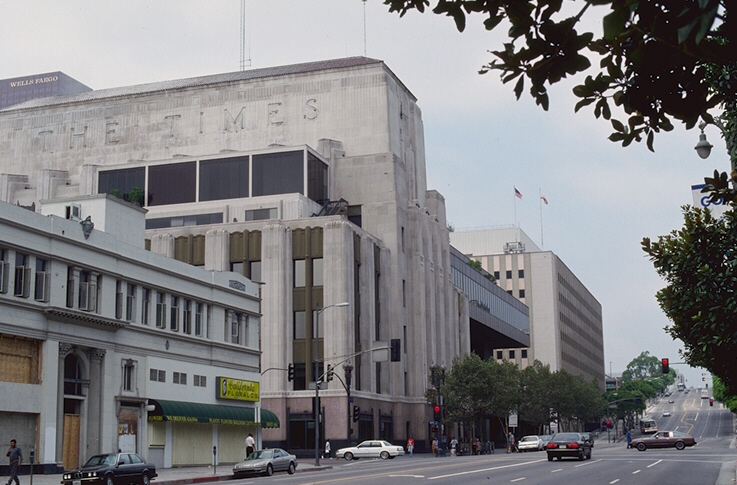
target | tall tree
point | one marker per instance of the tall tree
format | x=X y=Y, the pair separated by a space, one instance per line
x=652 y=54
x=642 y=366
x=699 y=265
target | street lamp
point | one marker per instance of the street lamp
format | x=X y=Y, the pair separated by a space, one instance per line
x=703 y=147
x=317 y=378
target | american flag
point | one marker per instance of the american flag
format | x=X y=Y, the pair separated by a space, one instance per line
x=517 y=193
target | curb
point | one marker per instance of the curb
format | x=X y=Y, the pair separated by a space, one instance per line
x=222 y=478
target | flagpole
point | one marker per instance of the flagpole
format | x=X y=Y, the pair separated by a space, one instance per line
x=540 y=201
x=515 y=206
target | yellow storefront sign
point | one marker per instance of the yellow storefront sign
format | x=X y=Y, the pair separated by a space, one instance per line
x=238 y=389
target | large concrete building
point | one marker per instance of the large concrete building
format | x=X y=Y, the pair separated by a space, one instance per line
x=309 y=179
x=566 y=327
x=105 y=345
x=19 y=89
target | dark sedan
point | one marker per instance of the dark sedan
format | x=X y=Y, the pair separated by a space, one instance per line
x=112 y=469
x=664 y=439
x=568 y=444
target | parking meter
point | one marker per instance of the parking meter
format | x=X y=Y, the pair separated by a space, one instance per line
x=214 y=459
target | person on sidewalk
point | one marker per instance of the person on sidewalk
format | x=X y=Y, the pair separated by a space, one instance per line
x=410 y=446
x=327 y=449
x=510 y=443
x=250 y=445
x=453 y=446
x=629 y=439
x=16 y=460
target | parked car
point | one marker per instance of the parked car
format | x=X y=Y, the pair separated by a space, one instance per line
x=370 y=449
x=530 y=443
x=112 y=469
x=568 y=444
x=266 y=462
x=545 y=438
x=664 y=439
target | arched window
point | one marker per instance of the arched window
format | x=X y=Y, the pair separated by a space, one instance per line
x=72 y=376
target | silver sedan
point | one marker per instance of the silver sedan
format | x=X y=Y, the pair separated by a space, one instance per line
x=266 y=462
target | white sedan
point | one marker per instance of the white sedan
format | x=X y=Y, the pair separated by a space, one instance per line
x=370 y=449
x=530 y=443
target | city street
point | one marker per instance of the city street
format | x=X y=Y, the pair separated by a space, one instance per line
x=711 y=461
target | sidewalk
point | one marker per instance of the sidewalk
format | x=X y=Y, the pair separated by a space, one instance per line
x=183 y=475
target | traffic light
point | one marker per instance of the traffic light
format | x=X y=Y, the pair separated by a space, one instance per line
x=666 y=367
x=330 y=373
x=356 y=412
x=438 y=414
x=396 y=346
x=290 y=374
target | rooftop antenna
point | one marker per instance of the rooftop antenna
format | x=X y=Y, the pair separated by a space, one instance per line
x=364 y=28
x=244 y=62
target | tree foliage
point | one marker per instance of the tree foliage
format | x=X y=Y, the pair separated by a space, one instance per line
x=652 y=55
x=642 y=366
x=476 y=389
x=720 y=394
x=699 y=265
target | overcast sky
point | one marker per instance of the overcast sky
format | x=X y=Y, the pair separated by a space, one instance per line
x=480 y=142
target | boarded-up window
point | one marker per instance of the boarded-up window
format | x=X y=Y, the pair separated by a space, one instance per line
x=20 y=360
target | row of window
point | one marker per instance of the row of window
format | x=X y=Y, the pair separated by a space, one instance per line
x=158 y=375
x=511 y=354
x=26 y=279
x=508 y=274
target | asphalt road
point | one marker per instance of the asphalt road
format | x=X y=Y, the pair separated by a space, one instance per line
x=711 y=461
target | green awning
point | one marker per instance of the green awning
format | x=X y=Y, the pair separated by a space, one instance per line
x=190 y=412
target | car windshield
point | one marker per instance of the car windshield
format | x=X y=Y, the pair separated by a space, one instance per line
x=260 y=455
x=529 y=438
x=99 y=460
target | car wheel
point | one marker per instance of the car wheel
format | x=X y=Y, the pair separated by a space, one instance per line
x=550 y=457
x=269 y=470
x=680 y=445
x=582 y=456
x=384 y=455
x=348 y=456
x=109 y=480
x=588 y=455
x=291 y=468
x=145 y=479
x=641 y=446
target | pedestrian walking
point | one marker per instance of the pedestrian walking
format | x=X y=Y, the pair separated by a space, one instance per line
x=410 y=446
x=16 y=459
x=435 y=446
x=327 y=449
x=250 y=445
x=510 y=443
x=629 y=439
x=453 y=445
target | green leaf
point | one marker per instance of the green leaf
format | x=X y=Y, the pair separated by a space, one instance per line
x=615 y=22
x=582 y=103
x=519 y=87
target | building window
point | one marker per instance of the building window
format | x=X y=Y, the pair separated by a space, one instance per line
x=187 y=317
x=509 y=274
x=300 y=377
x=173 y=183
x=496 y=275
x=200 y=381
x=130 y=302
x=3 y=272
x=121 y=181
x=160 y=310
x=499 y=354
x=261 y=214
x=179 y=378
x=299 y=273
x=119 y=299
x=157 y=375
x=129 y=374
x=174 y=314
x=278 y=173
x=224 y=178
x=521 y=273
x=87 y=291
x=317 y=272
x=404 y=293
x=198 y=319
x=146 y=296
x=511 y=354
x=234 y=327
x=524 y=353
x=402 y=239
x=22 y=281
x=521 y=293
x=255 y=271
x=41 y=288
x=299 y=326
x=510 y=292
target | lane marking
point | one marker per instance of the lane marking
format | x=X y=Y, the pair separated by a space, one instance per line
x=556 y=470
x=518 y=479
x=410 y=476
x=614 y=481
x=653 y=464
x=636 y=472
x=486 y=469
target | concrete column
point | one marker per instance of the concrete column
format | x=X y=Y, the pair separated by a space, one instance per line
x=217 y=250
x=64 y=350
x=94 y=397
